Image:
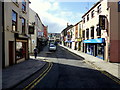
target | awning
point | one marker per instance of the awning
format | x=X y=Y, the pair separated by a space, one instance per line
x=98 y=40
x=68 y=41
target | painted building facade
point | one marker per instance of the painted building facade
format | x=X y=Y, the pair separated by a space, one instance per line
x=101 y=31
x=16 y=19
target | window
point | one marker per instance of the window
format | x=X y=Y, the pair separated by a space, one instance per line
x=88 y=17
x=99 y=9
x=83 y=34
x=98 y=31
x=20 y=50
x=14 y=21
x=23 y=5
x=87 y=33
x=83 y=20
x=92 y=32
x=92 y=14
x=23 y=26
x=119 y=6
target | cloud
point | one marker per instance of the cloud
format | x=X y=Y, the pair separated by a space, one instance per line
x=53 y=15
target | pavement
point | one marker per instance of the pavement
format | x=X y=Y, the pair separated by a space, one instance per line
x=102 y=65
x=13 y=75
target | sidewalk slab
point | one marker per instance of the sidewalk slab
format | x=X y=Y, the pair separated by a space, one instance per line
x=19 y=72
x=112 y=68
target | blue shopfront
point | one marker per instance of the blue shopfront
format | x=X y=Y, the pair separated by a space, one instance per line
x=95 y=47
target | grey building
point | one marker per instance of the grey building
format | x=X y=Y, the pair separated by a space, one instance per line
x=15 y=32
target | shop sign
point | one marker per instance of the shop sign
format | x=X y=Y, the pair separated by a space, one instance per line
x=79 y=40
x=99 y=40
x=31 y=29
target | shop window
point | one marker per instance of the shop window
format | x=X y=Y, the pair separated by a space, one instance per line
x=92 y=32
x=14 y=21
x=23 y=26
x=100 y=51
x=23 y=5
x=20 y=50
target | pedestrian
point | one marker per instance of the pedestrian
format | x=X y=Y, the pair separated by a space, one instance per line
x=35 y=52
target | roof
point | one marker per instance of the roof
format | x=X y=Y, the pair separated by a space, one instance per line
x=67 y=28
x=92 y=8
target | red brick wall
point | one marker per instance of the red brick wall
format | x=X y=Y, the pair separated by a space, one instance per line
x=115 y=51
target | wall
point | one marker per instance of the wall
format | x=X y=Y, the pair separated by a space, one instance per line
x=9 y=34
x=32 y=19
x=114 y=32
x=95 y=20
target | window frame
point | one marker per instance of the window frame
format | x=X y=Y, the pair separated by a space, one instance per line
x=92 y=13
x=92 y=32
x=23 y=26
x=87 y=33
x=99 y=9
x=23 y=5
x=88 y=18
x=16 y=22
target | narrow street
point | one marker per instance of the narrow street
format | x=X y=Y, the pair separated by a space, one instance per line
x=69 y=71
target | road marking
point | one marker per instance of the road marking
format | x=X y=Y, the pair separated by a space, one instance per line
x=39 y=78
x=104 y=72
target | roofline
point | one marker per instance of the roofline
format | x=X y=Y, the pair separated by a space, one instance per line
x=92 y=7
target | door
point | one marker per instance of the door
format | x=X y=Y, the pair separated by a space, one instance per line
x=11 y=53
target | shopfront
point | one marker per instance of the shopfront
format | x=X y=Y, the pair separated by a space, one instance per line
x=21 y=50
x=95 y=47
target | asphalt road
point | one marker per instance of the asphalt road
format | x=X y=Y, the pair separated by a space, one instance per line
x=69 y=71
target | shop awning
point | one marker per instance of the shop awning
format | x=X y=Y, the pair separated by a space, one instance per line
x=68 y=41
x=98 y=40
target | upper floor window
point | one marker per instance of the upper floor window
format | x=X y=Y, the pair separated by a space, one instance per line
x=83 y=34
x=92 y=32
x=98 y=31
x=87 y=33
x=23 y=26
x=119 y=6
x=23 y=5
x=14 y=21
x=99 y=9
x=84 y=20
x=88 y=17
x=92 y=13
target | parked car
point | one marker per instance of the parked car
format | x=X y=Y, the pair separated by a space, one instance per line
x=52 y=47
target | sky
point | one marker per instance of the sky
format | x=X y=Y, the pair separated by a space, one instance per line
x=57 y=13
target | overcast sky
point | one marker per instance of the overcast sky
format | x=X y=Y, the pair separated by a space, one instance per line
x=56 y=13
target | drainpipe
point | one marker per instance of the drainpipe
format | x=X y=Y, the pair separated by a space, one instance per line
x=3 y=38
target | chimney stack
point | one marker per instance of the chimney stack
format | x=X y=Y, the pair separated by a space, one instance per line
x=67 y=24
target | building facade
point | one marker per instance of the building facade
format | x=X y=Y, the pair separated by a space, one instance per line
x=16 y=19
x=101 y=31
x=32 y=30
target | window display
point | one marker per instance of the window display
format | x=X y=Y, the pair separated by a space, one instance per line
x=100 y=50
x=20 y=50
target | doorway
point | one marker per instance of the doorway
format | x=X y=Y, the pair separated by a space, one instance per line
x=11 y=53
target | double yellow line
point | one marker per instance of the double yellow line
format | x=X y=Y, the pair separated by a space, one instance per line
x=39 y=78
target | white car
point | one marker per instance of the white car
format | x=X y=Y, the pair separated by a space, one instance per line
x=52 y=47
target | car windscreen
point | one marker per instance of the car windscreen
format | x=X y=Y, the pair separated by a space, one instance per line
x=52 y=45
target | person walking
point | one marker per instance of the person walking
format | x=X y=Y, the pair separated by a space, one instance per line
x=35 y=52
